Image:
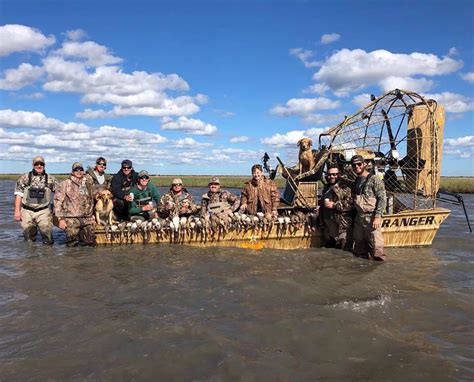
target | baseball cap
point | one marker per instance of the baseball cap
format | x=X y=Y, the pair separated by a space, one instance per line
x=143 y=173
x=214 y=179
x=37 y=159
x=76 y=165
x=357 y=159
x=176 y=181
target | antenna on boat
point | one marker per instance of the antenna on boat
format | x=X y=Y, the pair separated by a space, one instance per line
x=443 y=196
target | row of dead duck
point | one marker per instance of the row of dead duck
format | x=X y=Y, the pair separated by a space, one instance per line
x=183 y=228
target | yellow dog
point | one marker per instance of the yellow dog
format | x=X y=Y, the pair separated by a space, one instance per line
x=104 y=206
x=306 y=155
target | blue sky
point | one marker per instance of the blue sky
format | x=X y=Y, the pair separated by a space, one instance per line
x=207 y=87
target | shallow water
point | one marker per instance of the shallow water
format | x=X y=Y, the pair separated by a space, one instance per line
x=173 y=313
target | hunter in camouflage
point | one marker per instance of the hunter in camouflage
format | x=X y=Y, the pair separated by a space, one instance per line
x=74 y=205
x=337 y=205
x=370 y=202
x=218 y=202
x=33 y=196
x=178 y=201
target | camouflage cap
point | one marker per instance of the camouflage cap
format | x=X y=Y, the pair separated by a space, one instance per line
x=37 y=159
x=357 y=159
x=214 y=180
x=76 y=165
x=143 y=173
x=176 y=181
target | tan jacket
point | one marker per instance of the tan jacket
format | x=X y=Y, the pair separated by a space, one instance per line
x=265 y=193
x=73 y=198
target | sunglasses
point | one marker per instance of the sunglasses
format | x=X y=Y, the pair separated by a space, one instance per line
x=214 y=184
x=333 y=174
x=144 y=177
x=177 y=184
x=78 y=169
x=39 y=164
x=126 y=167
x=102 y=164
x=360 y=164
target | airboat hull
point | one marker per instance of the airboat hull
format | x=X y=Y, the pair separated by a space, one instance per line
x=404 y=229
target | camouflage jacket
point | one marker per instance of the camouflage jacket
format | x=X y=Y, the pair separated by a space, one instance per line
x=341 y=194
x=225 y=196
x=370 y=191
x=97 y=185
x=176 y=204
x=265 y=194
x=23 y=184
x=74 y=198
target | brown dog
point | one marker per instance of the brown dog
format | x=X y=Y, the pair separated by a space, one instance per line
x=306 y=156
x=104 y=206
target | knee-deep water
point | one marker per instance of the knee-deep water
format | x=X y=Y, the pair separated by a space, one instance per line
x=176 y=313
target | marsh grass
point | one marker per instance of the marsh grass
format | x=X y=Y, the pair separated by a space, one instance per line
x=457 y=184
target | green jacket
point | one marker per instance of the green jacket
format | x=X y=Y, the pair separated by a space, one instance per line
x=142 y=197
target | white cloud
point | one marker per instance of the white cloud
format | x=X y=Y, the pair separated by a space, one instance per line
x=233 y=155
x=66 y=142
x=361 y=100
x=469 y=77
x=20 y=77
x=13 y=138
x=292 y=137
x=321 y=119
x=414 y=84
x=453 y=102
x=224 y=113
x=20 y=38
x=462 y=147
x=190 y=125
x=330 y=37
x=36 y=95
x=347 y=70
x=138 y=93
x=317 y=89
x=76 y=35
x=239 y=139
x=305 y=56
x=188 y=157
x=106 y=133
x=182 y=106
x=72 y=76
x=453 y=51
x=187 y=143
x=90 y=69
x=467 y=141
x=303 y=106
x=37 y=121
x=93 y=53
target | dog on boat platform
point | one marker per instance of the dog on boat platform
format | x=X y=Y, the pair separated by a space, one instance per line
x=104 y=206
x=306 y=156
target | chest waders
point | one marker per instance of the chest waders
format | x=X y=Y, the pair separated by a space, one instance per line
x=363 y=203
x=36 y=198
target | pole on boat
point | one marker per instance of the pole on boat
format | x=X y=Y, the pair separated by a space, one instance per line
x=293 y=184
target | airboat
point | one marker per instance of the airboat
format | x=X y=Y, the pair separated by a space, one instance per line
x=399 y=133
